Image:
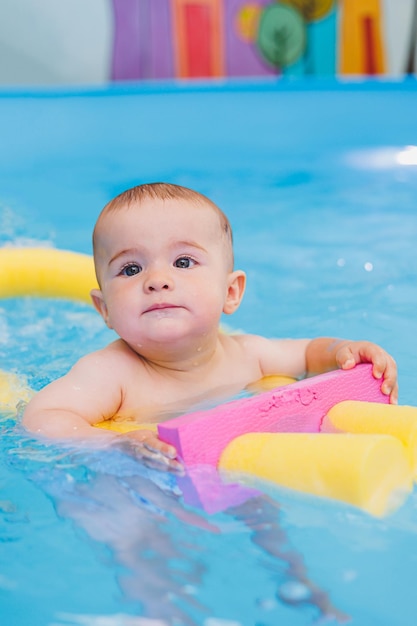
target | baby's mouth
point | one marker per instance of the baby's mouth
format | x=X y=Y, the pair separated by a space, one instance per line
x=161 y=306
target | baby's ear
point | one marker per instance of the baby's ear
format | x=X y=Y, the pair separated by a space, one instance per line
x=100 y=305
x=235 y=291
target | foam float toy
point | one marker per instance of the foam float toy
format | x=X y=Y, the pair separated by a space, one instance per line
x=332 y=435
x=288 y=436
x=299 y=407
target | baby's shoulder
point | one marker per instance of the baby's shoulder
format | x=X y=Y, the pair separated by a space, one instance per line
x=250 y=345
x=115 y=357
x=262 y=348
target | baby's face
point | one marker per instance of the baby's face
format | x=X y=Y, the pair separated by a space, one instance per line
x=164 y=271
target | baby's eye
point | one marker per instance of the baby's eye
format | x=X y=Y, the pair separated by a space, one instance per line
x=184 y=262
x=131 y=269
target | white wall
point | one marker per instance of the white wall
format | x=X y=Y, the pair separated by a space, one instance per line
x=397 y=30
x=55 y=41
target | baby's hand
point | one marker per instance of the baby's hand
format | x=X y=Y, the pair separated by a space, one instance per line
x=351 y=353
x=154 y=452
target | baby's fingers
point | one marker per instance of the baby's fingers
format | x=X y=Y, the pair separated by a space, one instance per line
x=383 y=365
x=145 y=444
x=152 y=457
x=153 y=444
x=390 y=384
x=345 y=358
x=157 y=460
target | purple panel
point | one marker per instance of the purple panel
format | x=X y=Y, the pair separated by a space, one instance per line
x=126 y=46
x=242 y=58
x=162 y=49
x=144 y=37
x=142 y=40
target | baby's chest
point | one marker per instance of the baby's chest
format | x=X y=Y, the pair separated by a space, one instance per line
x=152 y=401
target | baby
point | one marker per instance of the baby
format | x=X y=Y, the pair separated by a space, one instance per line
x=164 y=263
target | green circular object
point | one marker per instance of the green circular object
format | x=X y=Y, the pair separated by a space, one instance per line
x=281 y=37
x=312 y=10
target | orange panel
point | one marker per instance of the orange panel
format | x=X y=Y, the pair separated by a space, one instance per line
x=361 y=46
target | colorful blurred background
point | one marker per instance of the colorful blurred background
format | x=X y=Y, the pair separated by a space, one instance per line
x=97 y=41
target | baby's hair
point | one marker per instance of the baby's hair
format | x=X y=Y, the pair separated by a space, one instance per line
x=163 y=191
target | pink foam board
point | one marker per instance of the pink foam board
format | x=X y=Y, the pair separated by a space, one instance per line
x=201 y=436
x=204 y=488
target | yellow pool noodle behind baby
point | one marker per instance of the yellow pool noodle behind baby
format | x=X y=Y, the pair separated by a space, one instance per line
x=369 y=471
x=124 y=426
x=46 y=272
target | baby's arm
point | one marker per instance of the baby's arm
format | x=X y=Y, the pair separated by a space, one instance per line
x=301 y=357
x=69 y=407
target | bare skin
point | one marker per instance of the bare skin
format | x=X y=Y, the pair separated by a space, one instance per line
x=165 y=279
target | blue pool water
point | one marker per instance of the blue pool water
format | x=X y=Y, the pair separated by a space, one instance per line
x=320 y=184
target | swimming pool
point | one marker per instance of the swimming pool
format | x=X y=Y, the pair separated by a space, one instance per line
x=319 y=181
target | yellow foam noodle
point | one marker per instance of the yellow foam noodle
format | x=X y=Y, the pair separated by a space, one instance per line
x=125 y=426
x=267 y=383
x=368 y=471
x=374 y=418
x=46 y=272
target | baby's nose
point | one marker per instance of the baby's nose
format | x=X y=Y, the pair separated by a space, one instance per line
x=158 y=281
x=158 y=287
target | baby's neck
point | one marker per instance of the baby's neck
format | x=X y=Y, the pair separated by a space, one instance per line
x=198 y=358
